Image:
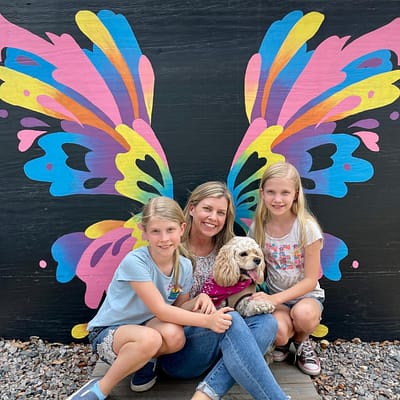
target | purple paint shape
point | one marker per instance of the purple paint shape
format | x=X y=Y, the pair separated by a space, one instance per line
x=32 y=122
x=368 y=123
x=394 y=116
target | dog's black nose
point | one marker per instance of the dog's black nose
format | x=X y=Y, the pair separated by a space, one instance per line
x=257 y=260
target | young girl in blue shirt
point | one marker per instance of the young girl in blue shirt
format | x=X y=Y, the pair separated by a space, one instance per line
x=147 y=303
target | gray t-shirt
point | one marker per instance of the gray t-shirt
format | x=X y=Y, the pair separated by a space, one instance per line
x=122 y=306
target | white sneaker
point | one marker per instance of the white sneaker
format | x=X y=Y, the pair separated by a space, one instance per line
x=280 y=353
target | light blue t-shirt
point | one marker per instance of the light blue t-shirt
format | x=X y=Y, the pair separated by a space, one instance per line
x=122 y=305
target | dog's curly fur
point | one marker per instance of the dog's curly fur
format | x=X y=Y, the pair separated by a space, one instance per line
x=241 y=259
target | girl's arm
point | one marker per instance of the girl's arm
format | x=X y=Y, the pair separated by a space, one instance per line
x=201 y=303
x=218 y=321
x=312 y=267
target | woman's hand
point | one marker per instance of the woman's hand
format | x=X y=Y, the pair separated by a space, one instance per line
x=219 y=321
x=203 y=304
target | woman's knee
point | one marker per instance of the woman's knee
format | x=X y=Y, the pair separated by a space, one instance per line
x=237 y=327
x=270 y=323
x=263 y=324
x=264 y=328
x=237 y=321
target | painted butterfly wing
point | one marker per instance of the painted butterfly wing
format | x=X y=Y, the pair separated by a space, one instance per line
x=295 y=96
x=103 y=99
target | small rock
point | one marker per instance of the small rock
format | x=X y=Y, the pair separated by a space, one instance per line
x=324 y=344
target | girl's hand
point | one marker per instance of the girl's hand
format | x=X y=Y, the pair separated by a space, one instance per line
x=262 y=296
x=219 y=321
x=204 y=304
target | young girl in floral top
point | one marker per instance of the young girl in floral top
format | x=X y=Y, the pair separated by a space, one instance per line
x=292 y=241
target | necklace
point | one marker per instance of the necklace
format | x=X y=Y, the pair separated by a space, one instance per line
x=201 y=250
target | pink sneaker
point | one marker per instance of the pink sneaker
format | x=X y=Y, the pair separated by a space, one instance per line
x=306 y=359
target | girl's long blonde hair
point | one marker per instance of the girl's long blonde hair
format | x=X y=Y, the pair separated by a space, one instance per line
x=214 y=189
x=299 y=207
x=168 y=209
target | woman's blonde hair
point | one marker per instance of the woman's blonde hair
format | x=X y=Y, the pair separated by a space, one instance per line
x=168 y=209
x=299 y=206
x=214 y=189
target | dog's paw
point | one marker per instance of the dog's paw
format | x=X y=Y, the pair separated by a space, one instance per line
x=264 y=307
x=250 y=307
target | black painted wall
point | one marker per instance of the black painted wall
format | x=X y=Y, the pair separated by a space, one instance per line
x=199 y=51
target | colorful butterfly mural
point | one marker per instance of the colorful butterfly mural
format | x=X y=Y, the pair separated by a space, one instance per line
x=103 y=98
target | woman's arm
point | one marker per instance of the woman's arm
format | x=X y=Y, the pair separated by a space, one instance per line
x=218 y=321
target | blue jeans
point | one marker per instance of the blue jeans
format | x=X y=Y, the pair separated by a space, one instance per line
x=238 y=355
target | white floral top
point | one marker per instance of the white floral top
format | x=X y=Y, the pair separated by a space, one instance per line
x=203 y=269
x=285 y=260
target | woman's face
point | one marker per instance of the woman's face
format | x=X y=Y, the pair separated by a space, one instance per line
x=208 y=216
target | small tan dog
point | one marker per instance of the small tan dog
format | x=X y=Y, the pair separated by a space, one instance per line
x=239 y=266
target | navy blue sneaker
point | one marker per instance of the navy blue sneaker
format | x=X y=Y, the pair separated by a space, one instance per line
x=145 y=378
x=85 y=393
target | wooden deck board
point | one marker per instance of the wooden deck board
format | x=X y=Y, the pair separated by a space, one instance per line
x=293 y=382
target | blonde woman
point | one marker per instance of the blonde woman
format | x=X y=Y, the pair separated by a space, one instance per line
x=237 y=354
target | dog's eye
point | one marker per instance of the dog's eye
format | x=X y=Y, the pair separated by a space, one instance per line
x=243 y=254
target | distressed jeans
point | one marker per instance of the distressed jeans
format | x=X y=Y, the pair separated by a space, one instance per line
x=238 y=355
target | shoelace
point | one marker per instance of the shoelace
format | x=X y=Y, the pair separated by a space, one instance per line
x=308 y=352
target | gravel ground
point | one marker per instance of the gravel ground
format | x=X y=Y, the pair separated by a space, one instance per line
x=359 y=370
x=36 y=369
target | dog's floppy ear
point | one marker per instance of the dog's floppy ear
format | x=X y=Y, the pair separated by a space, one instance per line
x=261 y=271
x=226 y=271
x=261 y=268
